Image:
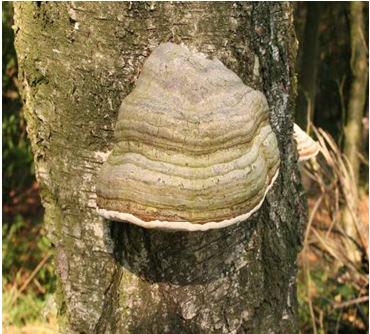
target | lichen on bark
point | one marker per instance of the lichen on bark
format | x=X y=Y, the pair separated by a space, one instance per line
x=77 y=61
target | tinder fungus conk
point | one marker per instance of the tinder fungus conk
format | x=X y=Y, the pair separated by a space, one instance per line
x=194 y=148
x=307 y=148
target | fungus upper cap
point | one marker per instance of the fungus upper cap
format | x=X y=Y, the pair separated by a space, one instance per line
x=194 y=148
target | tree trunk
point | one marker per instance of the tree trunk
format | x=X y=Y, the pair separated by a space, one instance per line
x=77 y=62
x=309 y=66
x=353 y=128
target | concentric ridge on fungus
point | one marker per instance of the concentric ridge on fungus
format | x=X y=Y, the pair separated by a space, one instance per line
x=194 y=148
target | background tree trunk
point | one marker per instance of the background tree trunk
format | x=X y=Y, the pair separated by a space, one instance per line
x=77 y=62
x=353 y=128
x=309 y=67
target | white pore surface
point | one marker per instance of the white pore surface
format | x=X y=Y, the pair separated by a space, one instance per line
x=182 y=226
x=309 y=156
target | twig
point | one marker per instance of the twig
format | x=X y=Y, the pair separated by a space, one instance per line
x=310 y=302
x=338 y=322
x=352 y=302
x=30 y=278
x=39 y=286
x=308 y=229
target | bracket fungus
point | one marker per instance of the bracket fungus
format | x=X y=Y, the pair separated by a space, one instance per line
x=307 y=148
x=194 y=148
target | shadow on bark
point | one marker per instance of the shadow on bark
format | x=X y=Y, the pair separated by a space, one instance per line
x=181 y=258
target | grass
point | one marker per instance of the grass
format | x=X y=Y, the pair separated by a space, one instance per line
x=28 y=273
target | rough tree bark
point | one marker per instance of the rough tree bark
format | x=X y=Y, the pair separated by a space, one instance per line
x=77 y=62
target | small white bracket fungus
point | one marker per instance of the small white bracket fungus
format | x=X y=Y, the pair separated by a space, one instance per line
x=307 y=148
x=195 y=150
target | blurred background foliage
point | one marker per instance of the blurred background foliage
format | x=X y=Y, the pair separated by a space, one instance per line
x=28 y=273
x=333 y=265
x=332 y=105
